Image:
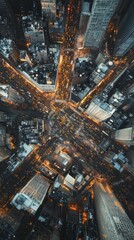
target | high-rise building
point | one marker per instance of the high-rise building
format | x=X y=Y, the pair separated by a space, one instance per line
x=9 y=49
x=99 y=110
x=84 y=16
x=8 y=21
x=117 y=160
x=125 y=135
x=10 y=24
x=2 y=135
x=49 y=8
x=49 y=214
x=117 y=99
x=113 y=221
x=33 y=30
x=32 y=195
x=8 y=94
x=99 y=73
x=125 y=37
x=101 y=13
x=60 y=192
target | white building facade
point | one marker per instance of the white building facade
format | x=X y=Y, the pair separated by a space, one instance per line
x=32 y=195
x=125 y=135
x=99 y=110
x=113 y=221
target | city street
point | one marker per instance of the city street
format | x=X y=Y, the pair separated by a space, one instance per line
x=66 y=124
x=65 y=127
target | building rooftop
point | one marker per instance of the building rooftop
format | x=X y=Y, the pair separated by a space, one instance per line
x=25 y=150
x=32 y=195
x=85 y=7
x=5 y=46
x=104 y=105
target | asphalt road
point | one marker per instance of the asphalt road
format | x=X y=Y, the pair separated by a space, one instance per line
x=67 y=127
x=64 y=76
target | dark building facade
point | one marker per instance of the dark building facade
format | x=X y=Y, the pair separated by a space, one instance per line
x=10 y=24
x=125 y=36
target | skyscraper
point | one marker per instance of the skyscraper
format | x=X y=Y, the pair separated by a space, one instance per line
x=125 y=37
x=49 y=8
x=125 y=135
x=84 y=17
x=99 y=110
x=32 y=195
x=113 y=221
x=101 y=13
